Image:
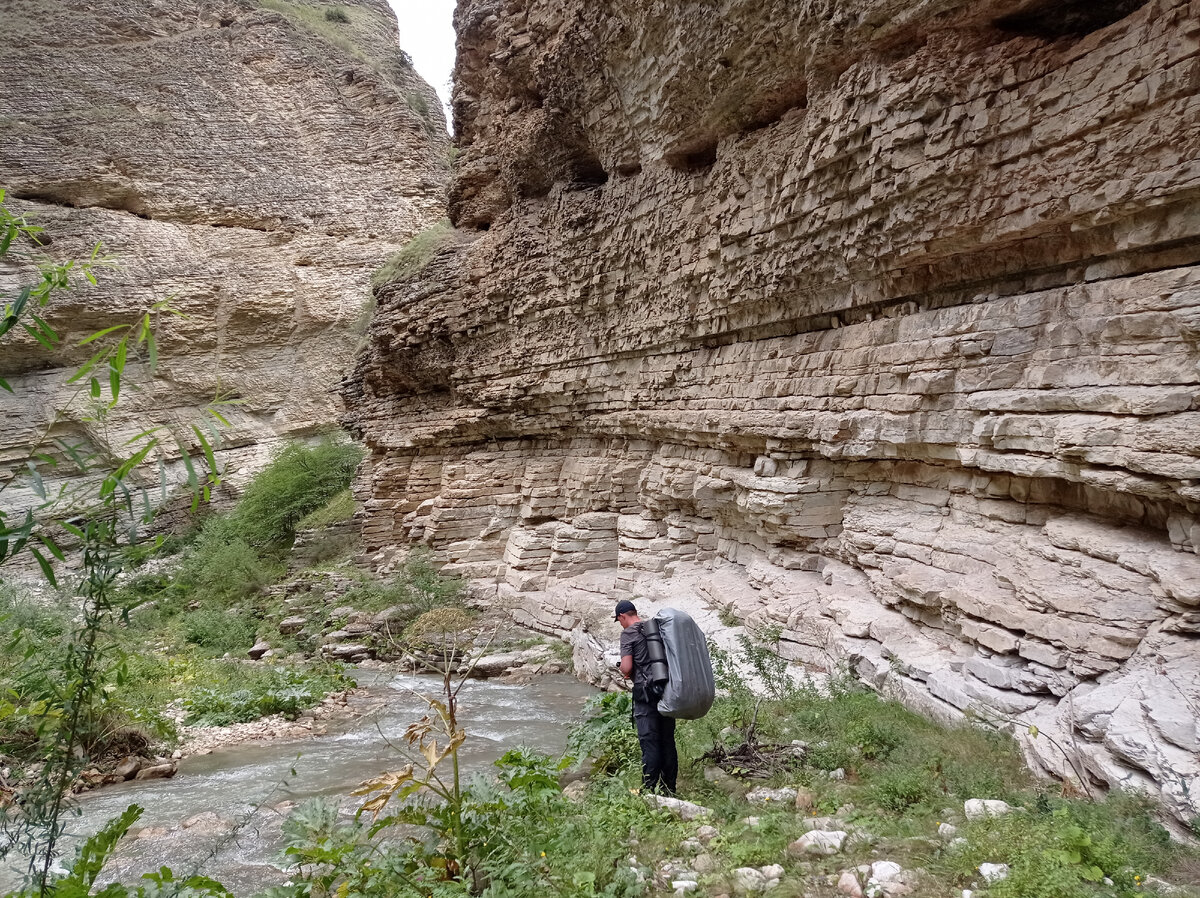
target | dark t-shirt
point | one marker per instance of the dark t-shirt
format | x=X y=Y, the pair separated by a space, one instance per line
x=633 y=643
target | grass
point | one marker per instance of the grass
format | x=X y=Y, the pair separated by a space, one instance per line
x=415 y=255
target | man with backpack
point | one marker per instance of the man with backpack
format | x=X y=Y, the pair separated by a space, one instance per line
x=656 y=733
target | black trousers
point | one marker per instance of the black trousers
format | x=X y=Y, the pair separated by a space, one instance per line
x=660 y=759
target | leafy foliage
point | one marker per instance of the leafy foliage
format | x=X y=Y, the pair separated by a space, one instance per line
x=605 y=735
x=299 y=480
x=285 y=691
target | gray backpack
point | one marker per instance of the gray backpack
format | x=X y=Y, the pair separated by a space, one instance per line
x=686 y=677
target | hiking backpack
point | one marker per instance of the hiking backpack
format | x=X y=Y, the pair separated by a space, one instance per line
x=679 y=664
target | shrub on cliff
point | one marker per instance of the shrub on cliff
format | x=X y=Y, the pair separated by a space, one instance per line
x=299 y=480
x=415 y=254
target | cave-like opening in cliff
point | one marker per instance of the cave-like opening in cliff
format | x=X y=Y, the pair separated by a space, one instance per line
x=693 y=159
x=1055 y=19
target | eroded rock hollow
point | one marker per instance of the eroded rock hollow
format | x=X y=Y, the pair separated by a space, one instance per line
x=875 y=319
x=249 y=162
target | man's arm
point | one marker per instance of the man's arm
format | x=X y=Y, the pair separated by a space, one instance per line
x=627 y=666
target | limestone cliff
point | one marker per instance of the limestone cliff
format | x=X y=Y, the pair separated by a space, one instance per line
x=252 y=161
x=877 y=319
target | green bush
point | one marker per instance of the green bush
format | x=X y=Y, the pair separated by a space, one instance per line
x=416 y=587
x=899 y=790
x=605 y=734
x=415 y=255
x=299 y=480
x=217 y=630
x=263 y=691
x=337 y=15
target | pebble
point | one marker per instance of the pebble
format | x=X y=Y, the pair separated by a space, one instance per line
x=707 y=833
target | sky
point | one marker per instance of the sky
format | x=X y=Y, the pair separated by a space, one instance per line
x=427 y=35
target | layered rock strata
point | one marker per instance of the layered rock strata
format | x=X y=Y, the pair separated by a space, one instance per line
x=250 y=163
x=879 y=321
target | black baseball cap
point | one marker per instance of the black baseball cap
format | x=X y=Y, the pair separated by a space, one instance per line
x=624 y=607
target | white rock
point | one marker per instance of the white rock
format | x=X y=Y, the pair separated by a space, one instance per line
x=684 y=810
x=707 y=833
x=765 y=796
x=947 y=830
x=772 y=871
x=823 y=842
x=885 y=871
x=848 y=884
x=993 y=872
x=747 y=880
x=982 y=808
x=683 y=886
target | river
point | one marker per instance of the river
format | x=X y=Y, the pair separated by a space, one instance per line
x=244 y=792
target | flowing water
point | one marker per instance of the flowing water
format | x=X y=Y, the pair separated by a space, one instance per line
x=244 y=792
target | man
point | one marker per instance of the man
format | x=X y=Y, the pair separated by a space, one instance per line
x=656 y=733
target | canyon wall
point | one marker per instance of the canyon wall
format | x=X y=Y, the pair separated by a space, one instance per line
x=250 y=163
x=877 y=321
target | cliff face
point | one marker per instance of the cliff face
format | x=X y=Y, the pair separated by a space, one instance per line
x=877 y=320
x=250 y=162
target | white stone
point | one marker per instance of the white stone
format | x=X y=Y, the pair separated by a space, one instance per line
x=762 y=796
x=684 y=810
x=820 y=842
x=748 y=880
x=993 y=872
x=982 y=808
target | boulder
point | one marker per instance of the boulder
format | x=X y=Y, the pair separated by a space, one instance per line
x=684 y=810
x=818 y=842
x=259 y=649
x=129 y=767
x=982 y=808
x=162 y=770
x=291 y=625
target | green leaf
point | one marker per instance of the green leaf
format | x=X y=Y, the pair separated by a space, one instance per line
x=1092 y=873
x=73 y=530
x=46 y=540
x=38 y=486
x=4 y=385
x=95 y=388
x=86 y=368
x=47 y=569
x=41 y=331
x=114 y=383
x=151 y=351
x=208 y=453
x=193 y=480
x=92 y=338
x=94 y=853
